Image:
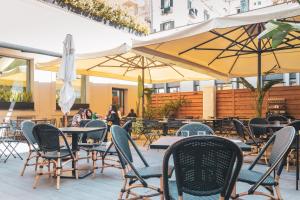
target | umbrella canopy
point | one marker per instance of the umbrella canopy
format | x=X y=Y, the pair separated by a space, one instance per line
x=128 y=66
x=67 y=73
x=229 y=45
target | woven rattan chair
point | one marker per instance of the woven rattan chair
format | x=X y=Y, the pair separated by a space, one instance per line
x=279 y=118
x=27 y=127
x=151 y=131
x=257 y=131
x=135 y=178
x=93 y=139
x=206 y=167
x=244 y=133
x=296 y=125
x=107 y=153
x=50 y=151
x=281 y=142
x=193 y=129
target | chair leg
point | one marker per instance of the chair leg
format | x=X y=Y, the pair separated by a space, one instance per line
x=161 y=188
x=26 y=163
x=58 y=170
x=277 y=189
x=123 y=189
x=94 y=159
x=49 y=169
x=36 y=163
x=38 y=174
x=76 y=165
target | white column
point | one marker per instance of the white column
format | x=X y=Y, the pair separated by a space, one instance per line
x=209 y=102
x=286 y=79
x=298 y=78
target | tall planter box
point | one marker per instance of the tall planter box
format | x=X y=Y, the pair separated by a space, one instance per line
x=76 y=106
x=17 y=106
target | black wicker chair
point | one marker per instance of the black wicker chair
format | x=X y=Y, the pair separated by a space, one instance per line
x=132 y=175
x=27 y=127
x=281 y=142
x=151 y=130
x=257 y=131
x=206 y=167
x=193 y=129
x=94 y=138
x=296 y=125
x=279 y=118
x=107 y=153
x=50 y=150
x=246 y=135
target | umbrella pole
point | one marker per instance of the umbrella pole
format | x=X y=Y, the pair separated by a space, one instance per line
x=143 y=86
x=259 y=76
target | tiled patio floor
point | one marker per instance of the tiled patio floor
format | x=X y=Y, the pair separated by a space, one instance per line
x=103 y=187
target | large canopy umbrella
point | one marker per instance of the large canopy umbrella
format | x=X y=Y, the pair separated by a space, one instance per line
x=67 y=73
x=229 y=45
x=128 y=66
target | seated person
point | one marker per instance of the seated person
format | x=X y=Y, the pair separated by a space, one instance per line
x=132 y=113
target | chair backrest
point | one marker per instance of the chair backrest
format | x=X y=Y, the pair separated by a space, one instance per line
x=240 y=128
x=27 y=128
x=122 y=141
x=83 y=122
x=127 y=126
x=47 y=137
x=257 y=131
x=204 y=166
x=97 y=135
x=174 y=124
x=283 y=140
x=194 y=128
x=274 y=118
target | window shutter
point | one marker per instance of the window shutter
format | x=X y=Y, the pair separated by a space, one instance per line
x=172 y=24
x=161 y=27
x=171 y=3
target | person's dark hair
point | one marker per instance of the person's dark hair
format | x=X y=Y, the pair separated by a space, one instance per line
x=80 y=111
x=131 y=110
x=114 y=108
x=88 y=111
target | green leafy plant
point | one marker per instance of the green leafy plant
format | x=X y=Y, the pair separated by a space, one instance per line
x=259 y=93
x=277 y=31
x=8 y=95
x=100 y=11
x=171 y=108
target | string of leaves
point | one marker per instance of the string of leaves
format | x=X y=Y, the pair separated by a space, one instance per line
x=101 y=12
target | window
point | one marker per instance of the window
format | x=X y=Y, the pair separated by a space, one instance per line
x=166 y=6
x=167 y=25
x=222 y=85
x=293 y=79
x=15 y=78
x=118 y=99
x=189 y=4
x=159 y=88
x=206 y=15
x=196 y=85
x=244 y=5
x=173 y=87
x=273 y=77
x=79 y=86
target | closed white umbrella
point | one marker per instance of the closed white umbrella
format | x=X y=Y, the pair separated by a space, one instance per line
x=67 y=73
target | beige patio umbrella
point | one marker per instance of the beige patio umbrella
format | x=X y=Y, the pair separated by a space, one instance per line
x=128 y=66
x=229 y=45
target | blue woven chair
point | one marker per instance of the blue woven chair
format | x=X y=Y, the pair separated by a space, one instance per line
x=193 y=129
x=96 y=137
x=107 y=153
x=281 y=142
x=50 y=151
x=206 y=168
x=135 y=178
x=257 y=131
x=27 y=127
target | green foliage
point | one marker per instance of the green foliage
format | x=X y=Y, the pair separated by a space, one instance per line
x=100 y=11
x=137 y=126
x=172 y=107
x=259 y=93
x=8 y=95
